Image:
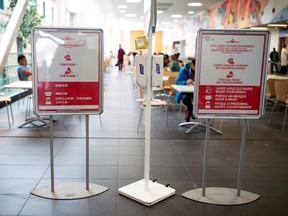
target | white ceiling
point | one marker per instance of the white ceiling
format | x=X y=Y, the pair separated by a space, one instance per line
x=105 y=13
x=169 y=7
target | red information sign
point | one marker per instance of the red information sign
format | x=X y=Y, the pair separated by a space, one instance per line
x=67 y=66
x=230 y=73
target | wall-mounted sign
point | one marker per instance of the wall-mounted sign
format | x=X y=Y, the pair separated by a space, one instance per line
x=67 y=70
x=230 y=73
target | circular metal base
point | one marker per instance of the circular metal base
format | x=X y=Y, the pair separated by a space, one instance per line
x=221 y=196
x=69 y=191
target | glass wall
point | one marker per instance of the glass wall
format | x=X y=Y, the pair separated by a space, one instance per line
x=10 y=74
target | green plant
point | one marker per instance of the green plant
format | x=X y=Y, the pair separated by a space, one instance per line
x=30 y=19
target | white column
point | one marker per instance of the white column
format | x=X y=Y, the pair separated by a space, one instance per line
x=11 y=31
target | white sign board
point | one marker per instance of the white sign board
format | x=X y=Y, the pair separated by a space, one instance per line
x=231 y=68
x=67 y=70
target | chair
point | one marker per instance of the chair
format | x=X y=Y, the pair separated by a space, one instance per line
x=171 y=96
x=22 y=90
x=164 y=91
x=28 y=106
x=154 y=104
x=181 y=105
x=7 y=101
x=281 y=98
x=270 y=91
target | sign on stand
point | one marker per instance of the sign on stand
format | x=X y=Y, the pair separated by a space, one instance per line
x=230 y=81
x=67 y=80
x=231 y=73
x=67 y=66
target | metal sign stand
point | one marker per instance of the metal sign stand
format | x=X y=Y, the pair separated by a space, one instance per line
x=146 y=191
x=70 y=190
x=218 y=195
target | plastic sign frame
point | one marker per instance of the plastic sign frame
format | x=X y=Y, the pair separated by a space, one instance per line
x=230 y=79
x=67 y=70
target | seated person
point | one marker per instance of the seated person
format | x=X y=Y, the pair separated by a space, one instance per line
x=23 y=70
x=186 y=77
x=174 y=64
x=166 y=60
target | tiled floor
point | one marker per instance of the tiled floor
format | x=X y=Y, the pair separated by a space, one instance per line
x=117 y=159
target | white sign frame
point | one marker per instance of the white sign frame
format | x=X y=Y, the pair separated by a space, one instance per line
x=231 y=68
x=67 y=70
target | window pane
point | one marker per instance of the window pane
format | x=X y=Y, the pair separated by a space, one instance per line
x=1 y=4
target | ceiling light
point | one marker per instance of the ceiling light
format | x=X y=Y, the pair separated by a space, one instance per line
x=195 y=4
x=133 y=1
x=258 y=28
x=176 y=16
x=122 y=6
x=190 y=12
x=122 y=11
x=175 y=21
x=166 y=23
x=159 y=12
x=277 y=25
x=130 y=15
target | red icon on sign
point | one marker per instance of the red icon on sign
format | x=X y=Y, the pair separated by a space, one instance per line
x=208 y=90
x=230 y=61
x=68 y=71
x=67 y=58
x=230 y=74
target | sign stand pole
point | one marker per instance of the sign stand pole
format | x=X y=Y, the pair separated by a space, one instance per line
x=219 y=195
x=69 y=190
x=242 y=150
x=87 y=152
x=145 y=191
x=205 y=161
x=51 y=153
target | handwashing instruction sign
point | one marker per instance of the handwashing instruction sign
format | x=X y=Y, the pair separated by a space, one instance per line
x=230 y=73
x=67 y=68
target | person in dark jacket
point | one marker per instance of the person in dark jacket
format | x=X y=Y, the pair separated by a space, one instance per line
x=120 y=57
x=186 y=77
x=273 y=61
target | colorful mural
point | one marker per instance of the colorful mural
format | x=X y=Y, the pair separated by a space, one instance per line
x=223 y=15
x=229 y=14
x=281 y=11
x=240 y=14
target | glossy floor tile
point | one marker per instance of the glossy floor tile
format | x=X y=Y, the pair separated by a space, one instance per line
x=116 y=159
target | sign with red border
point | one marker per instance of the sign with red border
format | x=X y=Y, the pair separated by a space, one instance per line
x=67 y=70
x=230 y=76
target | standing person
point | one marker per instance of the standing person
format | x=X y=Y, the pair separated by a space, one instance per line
x=284 y=59
x=23 y=70
x=174 y=64
x=120 y=57
x=186 y=77
x=273 y=61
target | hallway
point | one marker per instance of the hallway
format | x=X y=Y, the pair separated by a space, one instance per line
x=117 y=159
